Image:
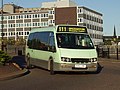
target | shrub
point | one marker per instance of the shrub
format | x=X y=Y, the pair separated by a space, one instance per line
x=4 y=57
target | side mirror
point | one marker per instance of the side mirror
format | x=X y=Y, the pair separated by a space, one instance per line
x=53 y=49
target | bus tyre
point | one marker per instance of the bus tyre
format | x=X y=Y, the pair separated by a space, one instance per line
x=51 y=67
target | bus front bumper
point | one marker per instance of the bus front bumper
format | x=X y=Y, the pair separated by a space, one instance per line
x=76 y=67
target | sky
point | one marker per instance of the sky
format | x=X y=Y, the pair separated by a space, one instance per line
x=109 y=9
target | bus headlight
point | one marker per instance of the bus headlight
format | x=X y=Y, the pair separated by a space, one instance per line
x=93 y=59
x=64 y=59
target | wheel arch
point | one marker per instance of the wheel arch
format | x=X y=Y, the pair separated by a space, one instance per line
x=49 y=61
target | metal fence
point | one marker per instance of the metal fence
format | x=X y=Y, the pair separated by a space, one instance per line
x=112 y=51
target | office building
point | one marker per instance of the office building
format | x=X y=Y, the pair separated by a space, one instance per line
x=18 y=21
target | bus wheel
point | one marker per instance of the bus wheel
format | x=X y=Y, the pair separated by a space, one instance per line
x=51 y=67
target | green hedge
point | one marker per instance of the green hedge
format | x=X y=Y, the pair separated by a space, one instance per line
x=4 y=57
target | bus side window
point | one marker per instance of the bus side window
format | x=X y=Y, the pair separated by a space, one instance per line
x=52 y=43
x=30 y=41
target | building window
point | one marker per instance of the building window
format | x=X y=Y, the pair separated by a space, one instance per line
x=80 y=20
x=27 y=16
x=10 y=17
x=51 y=12
x=44 y=15
x=5 y=17
x=79 y=10
x=35 y=15
x=16 y=17
x=27 y=33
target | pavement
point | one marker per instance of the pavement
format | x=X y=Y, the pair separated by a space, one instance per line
x=108 y=60
x=14 y=69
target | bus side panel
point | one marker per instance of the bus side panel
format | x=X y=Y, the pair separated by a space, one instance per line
x=42 y=57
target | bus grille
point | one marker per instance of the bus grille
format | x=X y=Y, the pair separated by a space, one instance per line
x=82 y=60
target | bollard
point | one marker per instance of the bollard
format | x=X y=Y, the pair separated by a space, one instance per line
x=117 y=54
x=108 y=53
x=102 y=53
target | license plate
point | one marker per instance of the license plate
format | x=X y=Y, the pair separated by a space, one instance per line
x=80 y=66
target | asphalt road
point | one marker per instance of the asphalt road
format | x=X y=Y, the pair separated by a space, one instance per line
x=38 y=79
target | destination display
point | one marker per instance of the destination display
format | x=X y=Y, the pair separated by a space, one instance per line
x=72 y=29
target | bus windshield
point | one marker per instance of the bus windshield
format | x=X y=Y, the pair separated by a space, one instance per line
x=74 y=41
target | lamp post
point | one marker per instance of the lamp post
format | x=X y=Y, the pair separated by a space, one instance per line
x=117 y=48
x=2 y=48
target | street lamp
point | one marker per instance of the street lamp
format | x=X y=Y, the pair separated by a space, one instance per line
x=117 y=48
x=2 y=48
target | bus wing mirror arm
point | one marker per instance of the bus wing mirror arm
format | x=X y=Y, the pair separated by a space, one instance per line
x=53 y=49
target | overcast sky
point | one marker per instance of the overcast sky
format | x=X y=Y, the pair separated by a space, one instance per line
x=109 y=9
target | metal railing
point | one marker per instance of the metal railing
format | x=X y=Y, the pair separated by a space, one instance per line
x=109 y=51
